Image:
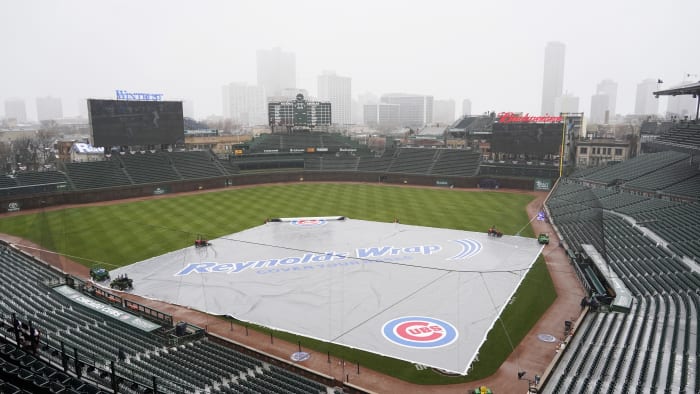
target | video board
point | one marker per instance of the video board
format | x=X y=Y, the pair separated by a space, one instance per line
x=125 y=122
x=527 y=138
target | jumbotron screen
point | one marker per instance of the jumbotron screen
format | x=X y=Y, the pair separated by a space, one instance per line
x=534 y=138
x=123 y=122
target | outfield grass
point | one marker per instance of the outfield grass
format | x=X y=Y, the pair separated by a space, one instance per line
x=121 y=234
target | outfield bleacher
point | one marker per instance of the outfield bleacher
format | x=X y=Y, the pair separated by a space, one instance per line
x=456 y=162
x=375 y=164
x=198 y=365
x=147 y=167
x=96 y=175
x=413 y=161
x=196 y=164
x=654 y=347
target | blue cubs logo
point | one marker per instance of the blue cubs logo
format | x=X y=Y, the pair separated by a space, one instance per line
x=308 y=222
x=470 y=248
x=419 y=332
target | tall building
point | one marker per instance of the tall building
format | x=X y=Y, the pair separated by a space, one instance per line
x=553 y=78
x=82 y=108
x=49 y=108
x=362 y=100
x=382 y=114
x=600 y=109
x=444 y=111
x=336 y=90
x=646 y=103
x=277 y=70
x=16 y=109
x=414 y=110
x=566 y=103
x=466 y=107
x=188 y=109
x=244 y=103
x=609 y=88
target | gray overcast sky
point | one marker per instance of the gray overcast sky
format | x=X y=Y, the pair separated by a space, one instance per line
x=491 y=52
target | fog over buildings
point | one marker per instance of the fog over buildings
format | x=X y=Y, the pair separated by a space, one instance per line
x=490 y=52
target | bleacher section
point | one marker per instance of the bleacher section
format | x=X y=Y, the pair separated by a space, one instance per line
x=96 y=175
x=33 y=183
x=684 y=135
x=634 y=168
x=456 y=163
x=520 y=169
x=281 y=143
x=664 y=177
x=688 y=187
x=655 y=347
x=413 y=161
x=148 y=167
x=194 y=366
x=196 y=164
x=375 y=164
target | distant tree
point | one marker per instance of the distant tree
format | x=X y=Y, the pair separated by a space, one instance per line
x=5 y=157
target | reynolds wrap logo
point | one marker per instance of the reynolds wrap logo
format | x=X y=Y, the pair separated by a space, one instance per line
x=329 y=259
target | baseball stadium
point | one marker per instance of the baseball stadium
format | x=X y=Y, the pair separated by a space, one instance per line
x=304 y=263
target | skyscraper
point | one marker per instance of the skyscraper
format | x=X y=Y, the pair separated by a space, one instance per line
x=415 y=110
x=49 y=108
x=600 y=104
x=566 y=103
x=466 y=107
x=16 y=109
x=646 y=103
x=609 y=88
x=444 y=111
x=245 y=103
x=336 y=90
x=553 y=78
x=277 y=70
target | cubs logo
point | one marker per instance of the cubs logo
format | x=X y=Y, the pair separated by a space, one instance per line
x=419 y=332
x=308 y=222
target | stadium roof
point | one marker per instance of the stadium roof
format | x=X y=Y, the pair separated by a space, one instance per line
x=692 y=88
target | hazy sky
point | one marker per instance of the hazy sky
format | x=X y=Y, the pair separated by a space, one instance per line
x=491 y=52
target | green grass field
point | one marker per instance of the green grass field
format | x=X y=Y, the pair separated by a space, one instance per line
x=121 y=234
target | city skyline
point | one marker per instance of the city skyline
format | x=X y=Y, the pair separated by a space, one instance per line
x=188 y=51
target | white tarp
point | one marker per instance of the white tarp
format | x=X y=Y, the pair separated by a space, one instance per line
x=420 y=294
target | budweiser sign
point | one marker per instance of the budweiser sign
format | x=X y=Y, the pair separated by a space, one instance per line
x=511 y=117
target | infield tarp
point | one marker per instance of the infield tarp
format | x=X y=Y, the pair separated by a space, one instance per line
x=420 y=294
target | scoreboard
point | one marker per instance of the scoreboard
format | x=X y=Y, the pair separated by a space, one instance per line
x=299 y=114
x=132 y=123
